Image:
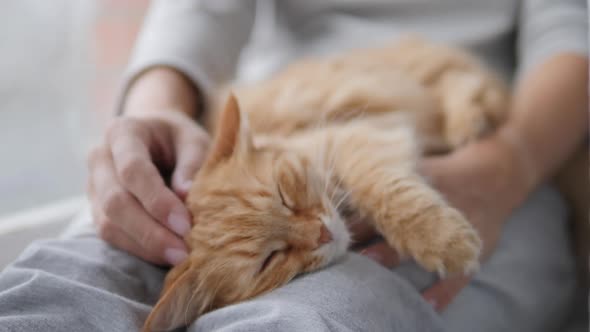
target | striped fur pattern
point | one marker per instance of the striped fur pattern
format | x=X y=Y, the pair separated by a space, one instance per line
x=319 y=138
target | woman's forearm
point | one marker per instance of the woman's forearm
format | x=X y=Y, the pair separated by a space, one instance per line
x=162 y=89
x=549 y=117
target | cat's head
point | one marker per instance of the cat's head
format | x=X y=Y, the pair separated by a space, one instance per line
x=262 y=215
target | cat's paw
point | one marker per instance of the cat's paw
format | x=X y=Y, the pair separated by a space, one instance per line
x=454 y=248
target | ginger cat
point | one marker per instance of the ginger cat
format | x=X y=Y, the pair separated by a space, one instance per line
x=293 y=156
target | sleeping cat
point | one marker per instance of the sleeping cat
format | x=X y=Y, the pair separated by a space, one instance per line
x=295 y=156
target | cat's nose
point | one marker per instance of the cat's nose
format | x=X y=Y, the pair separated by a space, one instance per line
x=325 y=235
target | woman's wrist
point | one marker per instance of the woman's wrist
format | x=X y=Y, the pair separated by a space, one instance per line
x=161 y=90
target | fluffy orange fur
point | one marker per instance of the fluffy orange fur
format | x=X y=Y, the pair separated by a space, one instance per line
x=323 y=137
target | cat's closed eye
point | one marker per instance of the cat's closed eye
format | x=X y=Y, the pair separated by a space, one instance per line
x=283 y=200
x=269 y=260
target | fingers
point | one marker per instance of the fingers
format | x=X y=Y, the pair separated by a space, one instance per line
x=382 y=253
x=122 y=221
x=133 y=207
x=113 y=234
x=137 y=173
x=190 y=154
x=443 y=292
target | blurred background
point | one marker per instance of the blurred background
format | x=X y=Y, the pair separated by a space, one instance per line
x=60 y=66
x=58 y=78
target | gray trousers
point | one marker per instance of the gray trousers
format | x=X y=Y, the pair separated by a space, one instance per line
x=79 y=283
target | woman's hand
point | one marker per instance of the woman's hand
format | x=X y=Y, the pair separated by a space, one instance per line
x=486 y=181
x=133 y=206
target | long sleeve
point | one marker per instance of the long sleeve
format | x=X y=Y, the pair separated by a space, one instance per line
x=549 y=27
x=202 y=39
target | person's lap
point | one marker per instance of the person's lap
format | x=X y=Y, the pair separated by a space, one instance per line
x=527 y=285
x=80 y=283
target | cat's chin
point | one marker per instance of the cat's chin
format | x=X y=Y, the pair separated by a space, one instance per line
x=335 y=249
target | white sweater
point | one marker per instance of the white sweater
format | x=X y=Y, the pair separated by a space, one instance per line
x=215 y=41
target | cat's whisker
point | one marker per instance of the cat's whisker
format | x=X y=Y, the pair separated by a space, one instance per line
x=336 y=188
x=325 y=161
x=329 y=172
x=338 y=183
x=342 y=199
x=333 y=187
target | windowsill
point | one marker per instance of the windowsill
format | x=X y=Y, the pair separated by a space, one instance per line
x=18 y=230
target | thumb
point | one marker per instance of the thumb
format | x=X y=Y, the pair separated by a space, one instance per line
x=443 y=292
x=189 y=158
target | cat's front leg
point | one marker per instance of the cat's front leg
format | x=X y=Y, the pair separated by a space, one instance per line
x=417 y=222
x=406 y=211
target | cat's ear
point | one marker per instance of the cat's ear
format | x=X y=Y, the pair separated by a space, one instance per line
x=179 y=304
x=232 y=134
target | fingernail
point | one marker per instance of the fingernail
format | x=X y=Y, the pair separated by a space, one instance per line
x=175 y=256
x=186 y=186
x=179 y=223
x=372 y=255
